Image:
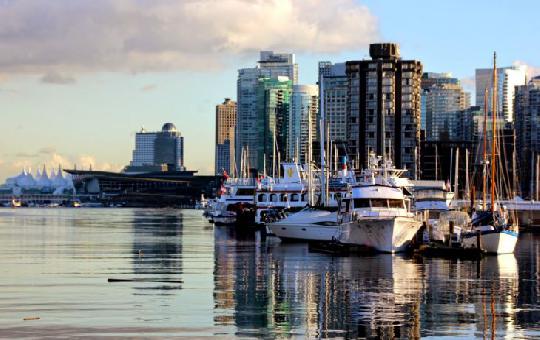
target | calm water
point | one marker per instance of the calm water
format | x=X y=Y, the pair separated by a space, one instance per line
x=54 y=264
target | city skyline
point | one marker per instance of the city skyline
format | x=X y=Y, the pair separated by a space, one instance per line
x=63 y=102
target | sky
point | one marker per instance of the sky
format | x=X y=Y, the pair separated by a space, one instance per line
x=79 y=78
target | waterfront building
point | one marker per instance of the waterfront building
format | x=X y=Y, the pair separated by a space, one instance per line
x=507 y=79
x=270 y=65
x=333 y=79
x=527 y=127
x=304 y=103
x=443 y=102
x=157 y=150
x=225 y=136
x=272 y=124
x=384 y=95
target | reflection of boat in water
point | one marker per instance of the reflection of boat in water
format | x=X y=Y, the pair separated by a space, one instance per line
x=375 y=296
x=15 y=203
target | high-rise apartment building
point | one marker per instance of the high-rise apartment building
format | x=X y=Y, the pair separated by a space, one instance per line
x=384 y=107
x=527 y=128
x=304 y=104
x=507 y=79
x=442 y=103
x=272 y=123
x=333 y=80
x=270 y=65
x=161 y=149
x=225 y=136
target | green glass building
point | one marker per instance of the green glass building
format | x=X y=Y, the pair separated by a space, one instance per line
x=273 y=102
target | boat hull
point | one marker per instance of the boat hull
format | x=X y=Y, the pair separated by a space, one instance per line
x=305 y=232
x=383 y=234
x=224 y=220
x=492 y=242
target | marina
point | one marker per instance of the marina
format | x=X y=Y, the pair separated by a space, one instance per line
x=185 y=277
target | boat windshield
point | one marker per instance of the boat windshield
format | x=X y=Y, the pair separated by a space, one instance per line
x=245 y=191
x=378 y=203
x=430 y=195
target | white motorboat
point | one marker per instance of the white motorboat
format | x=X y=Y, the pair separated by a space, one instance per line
x=377 y=214
x=309 y=224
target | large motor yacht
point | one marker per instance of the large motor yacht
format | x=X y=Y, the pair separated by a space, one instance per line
x=377 y=212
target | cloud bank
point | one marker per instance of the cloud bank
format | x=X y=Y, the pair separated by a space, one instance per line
x=11 y=165
x=38 y=36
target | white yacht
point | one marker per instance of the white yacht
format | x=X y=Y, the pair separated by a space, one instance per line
x=377 y=214
x=234 y=191
x=309 y=224
x=317 y=223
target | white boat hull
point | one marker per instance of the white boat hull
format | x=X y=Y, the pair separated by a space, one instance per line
x=384 y=234
x=493 y=242
x=306 y=232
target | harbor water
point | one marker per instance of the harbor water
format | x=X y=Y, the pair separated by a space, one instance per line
x=185 y=277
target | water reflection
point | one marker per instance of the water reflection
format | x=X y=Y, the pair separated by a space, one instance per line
x=55 y=264
x=280 y=289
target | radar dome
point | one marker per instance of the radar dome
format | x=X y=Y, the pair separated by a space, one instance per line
x=168 y=127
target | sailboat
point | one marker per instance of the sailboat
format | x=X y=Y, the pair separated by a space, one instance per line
x=497 y=234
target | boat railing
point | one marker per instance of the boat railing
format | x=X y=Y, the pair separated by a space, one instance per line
x=240 y=181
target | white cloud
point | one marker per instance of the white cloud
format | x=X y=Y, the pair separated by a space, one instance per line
x=51 y=159
x=531 y=70
x=138 y=35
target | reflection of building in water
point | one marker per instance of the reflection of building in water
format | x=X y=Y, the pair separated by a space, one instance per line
x=351 y=297
x=467 y=296
x=241 y=282
x=282 y=290
x=158 y=241
x=529 y=287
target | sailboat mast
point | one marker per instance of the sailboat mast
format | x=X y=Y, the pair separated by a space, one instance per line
x=484 y=159
x=494 y=131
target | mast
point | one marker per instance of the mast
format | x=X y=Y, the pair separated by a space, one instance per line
x=309 y=161
x=484 y=159
x=322 y=142
x=274 y=153
x=494 y=131
x=456 y=175
x=467 y=189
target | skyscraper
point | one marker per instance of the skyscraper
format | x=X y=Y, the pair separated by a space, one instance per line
x=225 y=136
x=270 y=65
x=333 y=79
x=158 y=150
x=272 y=105
x=443 y=100
x=384 y=107
x=304 y=103
x=507 y=79
x=527 y=127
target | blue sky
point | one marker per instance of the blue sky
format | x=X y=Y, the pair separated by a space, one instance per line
x=80 y=79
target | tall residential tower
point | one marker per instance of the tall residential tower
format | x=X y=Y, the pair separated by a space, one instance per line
x=225 y=136
x=270 y=65
x=507 y=78
x=384 y=107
